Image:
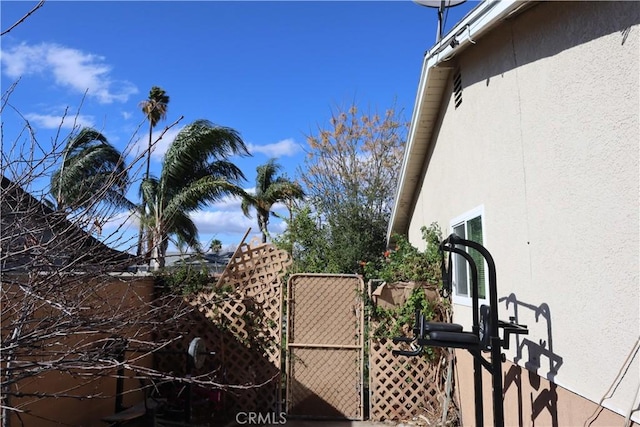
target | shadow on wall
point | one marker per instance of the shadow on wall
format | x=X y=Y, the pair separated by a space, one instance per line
x=539 y=357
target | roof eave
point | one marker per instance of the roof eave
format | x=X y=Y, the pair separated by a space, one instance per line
x=433 y=80
x=421 y=128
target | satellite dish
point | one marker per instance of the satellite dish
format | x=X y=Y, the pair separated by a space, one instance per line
x=441 y=5
x=197 y=352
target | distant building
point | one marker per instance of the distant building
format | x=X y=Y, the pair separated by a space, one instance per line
x=212 y=262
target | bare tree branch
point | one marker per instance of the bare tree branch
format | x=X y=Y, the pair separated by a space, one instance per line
x=21 y=20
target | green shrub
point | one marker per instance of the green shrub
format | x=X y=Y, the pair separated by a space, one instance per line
x=185 y=280
x=407 y=264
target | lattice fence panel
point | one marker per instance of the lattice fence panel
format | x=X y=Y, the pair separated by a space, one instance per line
x=172 y=359
x=325 y=310
x=401 y=387
x=243 y=328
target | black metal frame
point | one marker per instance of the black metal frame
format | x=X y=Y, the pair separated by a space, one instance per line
x=484 y=335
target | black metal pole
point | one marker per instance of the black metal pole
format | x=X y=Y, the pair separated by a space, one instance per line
x=440 y=21
x=496 y=351
x=120 y=379
x=477 y=365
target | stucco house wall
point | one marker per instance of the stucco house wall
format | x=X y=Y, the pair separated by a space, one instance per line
x=545 y=143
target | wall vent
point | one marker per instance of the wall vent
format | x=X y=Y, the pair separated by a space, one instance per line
x=457 y=88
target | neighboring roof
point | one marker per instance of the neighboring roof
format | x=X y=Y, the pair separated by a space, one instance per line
x=210 y=260
x=34 y=237
x=433 y=80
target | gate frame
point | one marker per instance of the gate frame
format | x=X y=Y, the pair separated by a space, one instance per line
x=360 y=346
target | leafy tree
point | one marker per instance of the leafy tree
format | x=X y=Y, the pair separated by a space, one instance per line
x=195 y=171
x=307 y=240
x=356 y=236
x=350 y=177
x=92 y=170
x=270 y=189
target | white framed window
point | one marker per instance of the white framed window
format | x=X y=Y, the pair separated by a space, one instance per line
x=469 y=226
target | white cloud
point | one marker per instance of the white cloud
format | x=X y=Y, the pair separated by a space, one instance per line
x=286 y=147
x=126 y=115
x=230 y=225
x=230 y=202
x=222 y=221
x=52 y=121
x=127 y=219
x=71 y=68
x=277 y=228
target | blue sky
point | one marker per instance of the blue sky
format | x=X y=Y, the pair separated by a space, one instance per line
x=271 y=70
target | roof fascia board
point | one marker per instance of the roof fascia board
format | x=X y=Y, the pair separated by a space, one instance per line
x=480 y=20
x=409 y=174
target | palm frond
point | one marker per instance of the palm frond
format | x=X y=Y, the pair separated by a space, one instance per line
x=270 y=189
x=155 y=106
x=224 y=169
x=149 y=191
x=266 y=175
x=84 y=138
x=249 y=201
x=194 y=147
x=96 y=158
x=92 y=170
x=283 y=190
x=119 y=200
x=198 y=194
x=185 y=230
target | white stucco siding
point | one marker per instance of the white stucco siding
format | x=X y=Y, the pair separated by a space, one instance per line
x=547 y=140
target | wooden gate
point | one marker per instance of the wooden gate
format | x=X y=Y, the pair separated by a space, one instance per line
x=325 y=346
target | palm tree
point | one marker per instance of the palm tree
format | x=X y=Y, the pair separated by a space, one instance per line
x=195 y=172
x=215 y=246
x=92 y=171
x=155 y=109
x=270 y=190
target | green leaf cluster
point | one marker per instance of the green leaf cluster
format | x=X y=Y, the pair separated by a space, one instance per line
x=185 y=280
x=406 y=263
x=397 y=321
